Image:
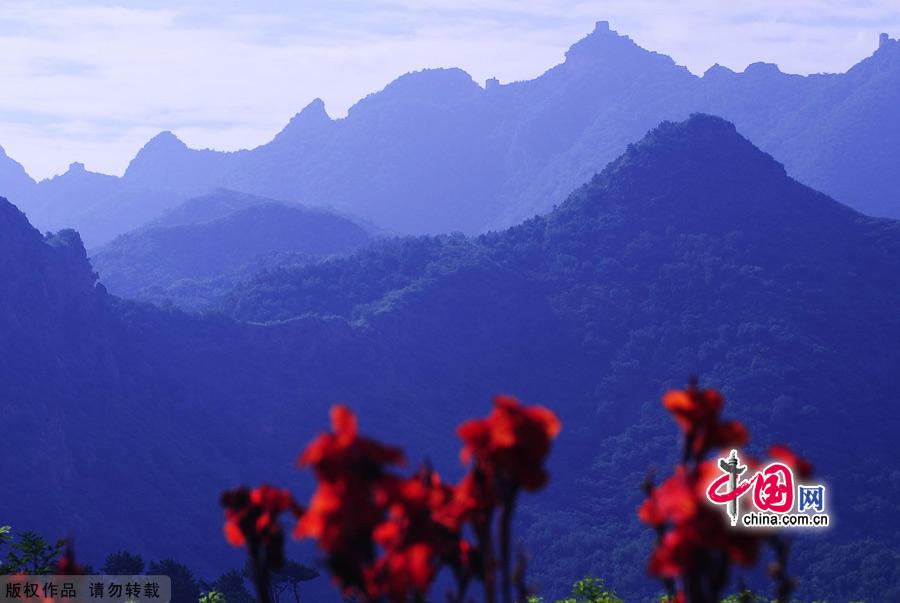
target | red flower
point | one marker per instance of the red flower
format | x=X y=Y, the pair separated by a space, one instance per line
x=673 y=501
x=334 y=455
x=695 y=545
x=799 y=465
x=693 y=407
x=679 y=506
x=402 y=573
x=387 y=537
x=728 y=434
x=673 y=556
x=687 y=543
x=67 y=566
x=351 y=497
x=414 y=542
x=697 y=413
x=251 y=518
x=472 y=500
x=512 y=443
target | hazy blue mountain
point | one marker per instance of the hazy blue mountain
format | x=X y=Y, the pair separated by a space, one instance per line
x=184 y=168
x=47 y=278
x=434 y=152
x=102 y=206
x=693 y=252
x=211 y=206
x=215 y=239
x=833 y=132
x=76 y=191
x=14 y=180
x=99 y=205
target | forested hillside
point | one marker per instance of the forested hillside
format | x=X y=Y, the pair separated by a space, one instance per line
x=693 y=253
x=204 y=246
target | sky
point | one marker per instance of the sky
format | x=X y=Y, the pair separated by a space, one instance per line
x=93 y=80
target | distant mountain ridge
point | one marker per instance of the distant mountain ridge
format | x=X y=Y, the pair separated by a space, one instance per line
x=435 y=152
x=208 y=242
x=13 y=177
x=206 y=208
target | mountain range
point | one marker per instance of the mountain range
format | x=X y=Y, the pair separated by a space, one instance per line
x=435 y=152
x=207 y=243
x=692 y=253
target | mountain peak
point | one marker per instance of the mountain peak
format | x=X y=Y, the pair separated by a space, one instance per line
x=717 y=71
x=762 y=68
x=79 y=175
x=160 y=151
x=704 y=138
x=599 y=42
x=314 y=112
x=885 y=59
x=439 y=86
x=316 y=105
x=23 y=241
x=310 y=119
x=14 y=180
x=887 y=46
x=606 y=45
x=704 y=158
x=164 y=140
x=701 y=123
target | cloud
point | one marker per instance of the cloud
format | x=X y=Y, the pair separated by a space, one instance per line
x=92 y=81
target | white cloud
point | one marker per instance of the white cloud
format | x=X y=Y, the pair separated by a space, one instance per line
x=91 y=82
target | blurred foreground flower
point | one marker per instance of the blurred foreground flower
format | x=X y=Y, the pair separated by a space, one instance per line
x=385 y=536
x=695 y=548
x=252 y=520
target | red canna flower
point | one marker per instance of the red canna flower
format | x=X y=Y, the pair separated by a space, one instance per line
x=67 y=566
x=335 y=455
x=674 y=555
x=251 y=519
x=387 y=537
x=678 y=508
x=414 y=543
x=403 y=574
x=512 y=443
x=703 y=537
x=351 y=498
x=695 y=547
x=693 y=407
x=673 y=501
x=697 y=413
x=728 y=434
x=472 y=500
x=801 y=466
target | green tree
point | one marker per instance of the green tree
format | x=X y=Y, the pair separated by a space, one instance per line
x=591 y=590
x=213 y=596
x=232 y=586
x=5 y=536
x=123 y=563
x=745 y=596
x=32 y=555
